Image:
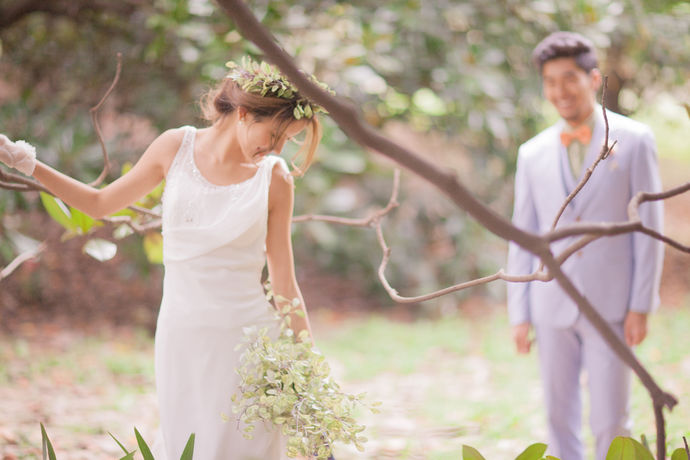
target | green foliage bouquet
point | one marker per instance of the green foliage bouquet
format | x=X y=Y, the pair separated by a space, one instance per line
x=287 y=383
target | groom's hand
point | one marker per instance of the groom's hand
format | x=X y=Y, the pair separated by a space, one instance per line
x=521 y=337
x=635 y=328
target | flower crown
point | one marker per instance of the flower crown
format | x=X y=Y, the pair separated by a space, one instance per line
x=264 y=79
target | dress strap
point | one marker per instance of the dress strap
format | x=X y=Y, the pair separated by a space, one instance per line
x=269 y=164
x=183 y=150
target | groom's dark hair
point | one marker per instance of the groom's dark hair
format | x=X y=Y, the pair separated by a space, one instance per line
x=565 y=44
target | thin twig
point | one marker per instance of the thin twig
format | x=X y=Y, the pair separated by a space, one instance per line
x=20 y=259
x=94 y=118
x=393 y=293
x=605 y=149
x=362 y=222
x=153 y=224
x=10 y=180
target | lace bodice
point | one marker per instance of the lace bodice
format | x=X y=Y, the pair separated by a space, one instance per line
x=199 y=216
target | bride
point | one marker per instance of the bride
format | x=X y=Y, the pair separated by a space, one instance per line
x=227 y=211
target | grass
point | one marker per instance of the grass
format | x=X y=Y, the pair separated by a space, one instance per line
x=443 y=383
x=466 y=376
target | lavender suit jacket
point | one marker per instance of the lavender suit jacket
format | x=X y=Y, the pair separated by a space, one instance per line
x=616 y=274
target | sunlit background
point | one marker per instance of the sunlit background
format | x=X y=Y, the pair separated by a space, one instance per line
x=451 y=80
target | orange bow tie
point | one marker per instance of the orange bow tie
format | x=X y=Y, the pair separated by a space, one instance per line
x=582 y=134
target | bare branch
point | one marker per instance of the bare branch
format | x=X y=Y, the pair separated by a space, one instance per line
x=600 y=324
x=643 y=197
x=345 y=114
x=20 y=259
x=347 y=118
x=10 y=180
x=94 y=118
x=363 y=222
x=393 y=293
x=153 y=224
x=605 y=149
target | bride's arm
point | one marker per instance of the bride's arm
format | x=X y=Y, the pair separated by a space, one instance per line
x=148 y=172
x=281 y=266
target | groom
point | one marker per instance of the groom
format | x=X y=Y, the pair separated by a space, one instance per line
x=619 y=275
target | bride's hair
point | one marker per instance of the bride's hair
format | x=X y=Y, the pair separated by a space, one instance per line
x=228 y=96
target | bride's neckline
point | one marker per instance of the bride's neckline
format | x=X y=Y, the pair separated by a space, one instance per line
x=207 y=181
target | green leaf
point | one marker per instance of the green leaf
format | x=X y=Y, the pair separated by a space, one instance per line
x=124 y=212
x=641 y=452
x=126 y=168
x=153 y=247
x=48 y=451
x=680 y=454
x=296 y=113
x=143 y=447
x=100 y=249
x=120 y=444
x=83 y=222
x=58 y=211
x=157 y=192
x=627 y=449
x=470 y=453
x=533 y=452
x=188 y=451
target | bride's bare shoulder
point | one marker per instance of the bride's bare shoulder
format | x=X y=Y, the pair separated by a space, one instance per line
x=165 y=146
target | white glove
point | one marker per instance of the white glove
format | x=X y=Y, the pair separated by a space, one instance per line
x=19 y=155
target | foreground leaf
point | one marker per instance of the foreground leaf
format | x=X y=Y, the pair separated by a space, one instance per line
x=188 y=451
x=470 y=453
x=143 y=447
x=679 y=454
x=58 y=211
x=153 y=246
x=100 y=249
x=627 y=449
x=48 y=451
x=124 y=449
x=533 y=452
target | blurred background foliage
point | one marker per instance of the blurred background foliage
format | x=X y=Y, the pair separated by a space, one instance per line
x=450 y=79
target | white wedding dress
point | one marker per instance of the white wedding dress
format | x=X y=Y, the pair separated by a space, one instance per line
x=214 y=253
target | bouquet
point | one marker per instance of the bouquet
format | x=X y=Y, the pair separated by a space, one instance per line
x=287 y=383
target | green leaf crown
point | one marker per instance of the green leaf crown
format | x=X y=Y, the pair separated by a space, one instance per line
x=264 y=79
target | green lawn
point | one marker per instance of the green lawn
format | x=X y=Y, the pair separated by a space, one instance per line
x=442 y=383
x=456 y=381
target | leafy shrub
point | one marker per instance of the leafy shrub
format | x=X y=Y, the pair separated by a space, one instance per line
x=287 y=383
x=622 y=448
x=187 y=453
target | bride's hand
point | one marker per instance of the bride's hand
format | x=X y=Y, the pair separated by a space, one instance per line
x=19 y=155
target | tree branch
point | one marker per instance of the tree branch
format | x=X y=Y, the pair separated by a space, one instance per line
x=345 y=115
x=94 y=118
x=20 y=259
x=604 y=153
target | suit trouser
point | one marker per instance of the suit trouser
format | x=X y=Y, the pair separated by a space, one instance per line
x=563 y=353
